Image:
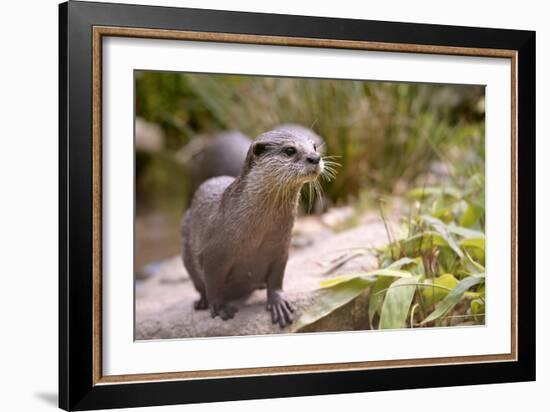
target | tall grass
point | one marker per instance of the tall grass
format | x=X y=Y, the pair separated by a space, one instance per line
x=388 y=134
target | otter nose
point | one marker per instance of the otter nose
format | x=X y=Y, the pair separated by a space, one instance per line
x=315 y=159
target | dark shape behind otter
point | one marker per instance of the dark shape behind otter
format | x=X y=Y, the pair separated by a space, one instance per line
x=236 y=232
x=224 y=155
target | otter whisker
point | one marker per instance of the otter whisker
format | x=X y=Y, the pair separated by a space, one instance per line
x=329 y=170
x=330 y=167
x=331 y=158
x=310 y=198
x=318 y=191
x=331 y=163
x=328 y=175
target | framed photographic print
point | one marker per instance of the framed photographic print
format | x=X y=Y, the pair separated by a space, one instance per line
x=257 y=205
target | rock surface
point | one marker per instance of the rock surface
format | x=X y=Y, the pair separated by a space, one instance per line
x=149 y=136
x=164 y=302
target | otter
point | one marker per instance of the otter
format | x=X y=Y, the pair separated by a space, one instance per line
x=236 y=232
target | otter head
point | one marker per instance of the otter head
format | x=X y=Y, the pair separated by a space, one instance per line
x=284 y=158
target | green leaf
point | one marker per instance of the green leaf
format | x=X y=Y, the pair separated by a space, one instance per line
x=464 y=232
x=419 y=270
x=477 y=307
x=338 y=280
x=448 y=260
x=329 y=283
x=376 y=295
x=421 y=241
x=475 y=247
x=390 y=272
x=332 y=299
x=433 y=295
x=441 y=228
x=405 y=261
x=453 y=228
x=397 y=303
x=474 y=266
x=478 y=242
x=452 y=298
x=444 y=214
x=471 y=215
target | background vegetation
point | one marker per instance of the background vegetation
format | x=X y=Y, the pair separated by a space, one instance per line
x=420 y=144
x=389 y=135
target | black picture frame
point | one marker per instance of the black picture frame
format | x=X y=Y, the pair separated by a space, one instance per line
x=77 y=390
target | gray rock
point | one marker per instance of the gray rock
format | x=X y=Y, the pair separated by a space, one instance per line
x=164 y=303
x=149 y=136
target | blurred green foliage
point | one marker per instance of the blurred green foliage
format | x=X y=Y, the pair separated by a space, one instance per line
x=389 y=135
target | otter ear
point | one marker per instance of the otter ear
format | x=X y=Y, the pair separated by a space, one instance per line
x=255 y=150
x=259 y=148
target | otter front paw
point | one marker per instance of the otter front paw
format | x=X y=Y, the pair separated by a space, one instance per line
x=201 y=303
x=223 y=310
x=281 y=310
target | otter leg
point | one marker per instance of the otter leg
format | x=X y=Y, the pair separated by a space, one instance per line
x=201 y=303
x=282 y=312
x=191 y=266
x=215 y=283
x=223 y=310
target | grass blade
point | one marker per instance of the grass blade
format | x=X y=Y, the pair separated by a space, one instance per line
x=452 y=298
x=395 y=273
x=376 y=297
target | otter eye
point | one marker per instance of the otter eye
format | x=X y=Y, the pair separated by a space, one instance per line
x=290 y=151
x=314 y=147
